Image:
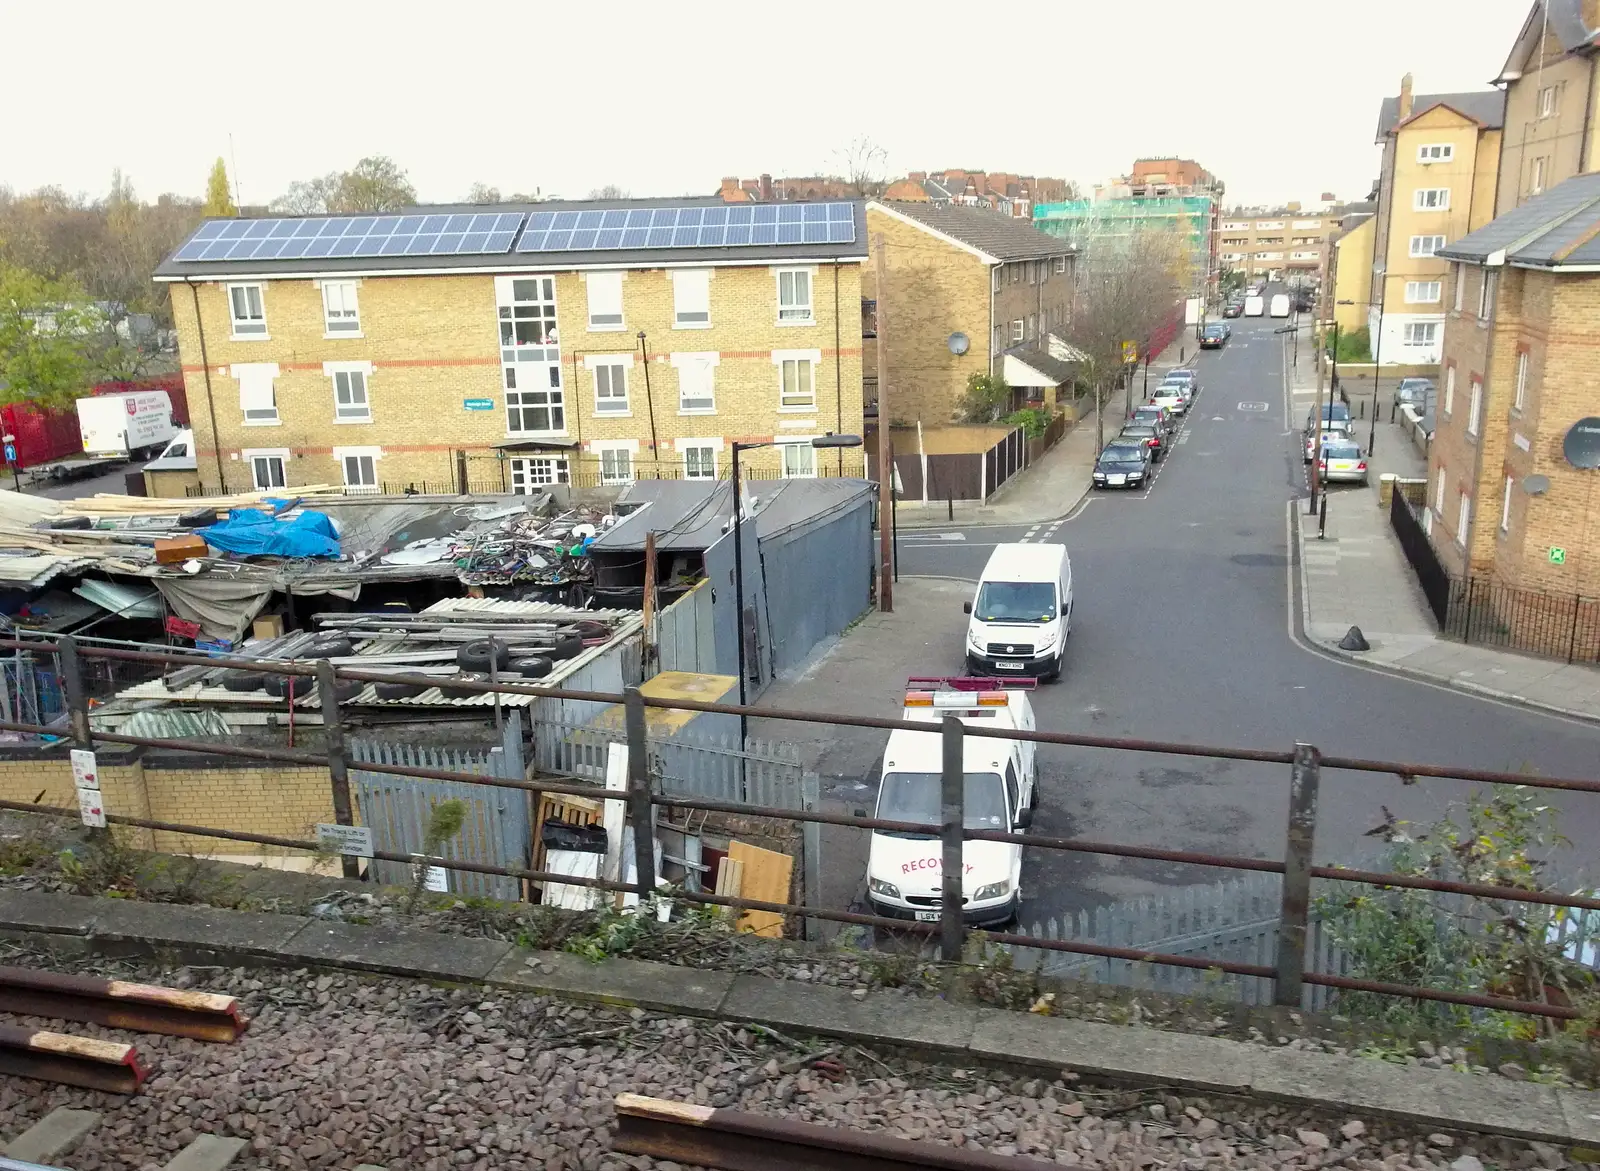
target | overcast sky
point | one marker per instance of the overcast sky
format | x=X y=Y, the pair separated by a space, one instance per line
x=1278 y=99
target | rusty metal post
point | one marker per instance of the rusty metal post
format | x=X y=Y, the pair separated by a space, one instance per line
x=640 y=810
x=73 y=692
x=1303 y=780
x=952 y=802
x=338 y=765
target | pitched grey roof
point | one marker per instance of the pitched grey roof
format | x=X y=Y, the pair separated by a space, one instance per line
x=1487 y=106
x=1556 y=229
x=1565 y=20
x=688 y=514
x=1001 y=236
x=514 y=261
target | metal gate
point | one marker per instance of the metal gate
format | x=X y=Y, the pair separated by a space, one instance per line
x=496 y=831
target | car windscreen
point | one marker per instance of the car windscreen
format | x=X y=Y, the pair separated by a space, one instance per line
x=906 y=796
x=1146 y=417
x=1122 y=455
x=1341 y=451
x=1016 y=601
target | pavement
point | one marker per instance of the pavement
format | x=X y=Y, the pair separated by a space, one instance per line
x=1058 y=482
x=950 y=1031
x=1187 y=628
x=1354 y=574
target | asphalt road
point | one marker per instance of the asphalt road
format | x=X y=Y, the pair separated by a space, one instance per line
x=1182 y=632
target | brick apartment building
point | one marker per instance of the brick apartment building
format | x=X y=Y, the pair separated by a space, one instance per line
x=510 y=347
x=1520 y=369
x=1282 y=243
x=969 y=291
x=1012 y=194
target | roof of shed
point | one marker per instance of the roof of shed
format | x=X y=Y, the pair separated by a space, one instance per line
x=694 y=515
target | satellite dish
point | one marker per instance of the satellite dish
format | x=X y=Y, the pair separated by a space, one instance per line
x=1582 y=444
x=959 y=343
x=1536 y=485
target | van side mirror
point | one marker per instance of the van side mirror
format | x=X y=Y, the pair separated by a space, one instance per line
x=966 y=607
x=1024 y=818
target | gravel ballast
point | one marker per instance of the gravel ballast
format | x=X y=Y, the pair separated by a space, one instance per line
x=337 y=1070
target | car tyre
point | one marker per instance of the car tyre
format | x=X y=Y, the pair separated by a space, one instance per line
x=400 y=690
x=477 y=654
x=243 y=681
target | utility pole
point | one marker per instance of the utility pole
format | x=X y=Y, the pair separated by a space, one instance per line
x=885 y=456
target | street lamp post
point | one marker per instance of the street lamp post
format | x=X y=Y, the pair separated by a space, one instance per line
x=821 y=441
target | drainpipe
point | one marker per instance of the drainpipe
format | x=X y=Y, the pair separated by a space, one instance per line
x=211 y=405
x=655 y=448
x=1588 y=114
x=838 y=377
x=1483 y=414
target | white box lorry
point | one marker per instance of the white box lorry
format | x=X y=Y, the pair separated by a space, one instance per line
x=999 y=792
x=1254 y=305
x=122 y=426
x=1280 y=305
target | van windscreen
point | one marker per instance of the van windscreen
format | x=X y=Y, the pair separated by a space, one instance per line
x=1016 y=601
x=915 y=797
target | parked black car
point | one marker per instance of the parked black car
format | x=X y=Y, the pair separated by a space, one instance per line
x=1149 y=435
x=1123 y=465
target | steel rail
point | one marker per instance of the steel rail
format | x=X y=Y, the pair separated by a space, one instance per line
x=118 y=1004
x=70 y=1061
x=1405 y=771
x=704 y=1136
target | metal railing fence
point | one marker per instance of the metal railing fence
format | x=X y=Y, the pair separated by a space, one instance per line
x=1289 y=972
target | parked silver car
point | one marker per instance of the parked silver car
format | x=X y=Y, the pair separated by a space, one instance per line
x=1342 y=463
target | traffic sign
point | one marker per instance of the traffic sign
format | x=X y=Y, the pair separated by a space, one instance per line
x=11 y=453
x=1130 y=352
x=1558 y=555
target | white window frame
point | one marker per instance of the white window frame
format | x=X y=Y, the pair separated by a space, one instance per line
x=341 y=309
x=1061 y=264
x=1424 y=292
x=550 y=469
x=1461 y=283
x=343 y=455
x=1018 y=326
x=694 y=367
x=253 y=374
x=785 y=445
x=1436 y=152
x=796 y=311
x=714 y=446
x=1536 y=178
x=1430 y=199
x=1449 y=391
x=281 y=454
x=351 y=373
x=1463 y=519
x=691 y=297
x=781 y=360
x=1474 y=406
x=610 y=406
x=531 y=373
x=247 y=328
x=1422 y=246
x=1550 y=101
x=1438 y=492
x=622 y=469
x=604 y=290
x=1521 y=399
x=1485 y=296
x=1505 y=505
x=1414 y=333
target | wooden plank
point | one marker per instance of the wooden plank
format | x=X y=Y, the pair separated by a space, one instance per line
x=767 y=875
x=730 y=881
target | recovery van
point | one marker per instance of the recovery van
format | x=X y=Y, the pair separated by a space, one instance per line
x=999 y=792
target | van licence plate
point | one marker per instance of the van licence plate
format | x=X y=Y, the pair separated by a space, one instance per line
x=927 y=916
x=1008 y=666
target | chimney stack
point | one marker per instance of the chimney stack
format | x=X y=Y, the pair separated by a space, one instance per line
x=766 y=188
x=730 y=190
x=1405 y=97
x=1591 y=15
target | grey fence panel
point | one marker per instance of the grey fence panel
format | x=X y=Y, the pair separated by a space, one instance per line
x=684 y=765
x=685 y=635
x=497 y=828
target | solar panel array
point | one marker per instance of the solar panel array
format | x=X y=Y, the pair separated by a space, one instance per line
x=463 y=233
x=690 y=227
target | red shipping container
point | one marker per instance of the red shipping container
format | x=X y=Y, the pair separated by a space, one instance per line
x=41 y=435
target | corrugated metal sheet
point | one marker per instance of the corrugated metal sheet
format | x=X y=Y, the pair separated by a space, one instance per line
x=170 y=724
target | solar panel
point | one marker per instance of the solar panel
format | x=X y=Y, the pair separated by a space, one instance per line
x=719 y=226
x=455 y=234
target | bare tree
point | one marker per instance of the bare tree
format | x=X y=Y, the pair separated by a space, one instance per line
x=309 y=196
x=610 y=191
x=482 y=193
x=861 y=167
x=376 y=183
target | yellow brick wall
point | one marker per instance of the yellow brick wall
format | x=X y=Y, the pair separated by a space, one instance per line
x=284 y=801
x=935 y=289
x=170 y=485
x=433 y=343
x=1557 y=139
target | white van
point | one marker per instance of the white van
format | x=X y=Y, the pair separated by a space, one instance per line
x=1254 y=305
x=1280 y=305
x=905 y=870
x=1022 y=612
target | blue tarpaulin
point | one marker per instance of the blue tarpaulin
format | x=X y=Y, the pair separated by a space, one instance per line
x=250 y=532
